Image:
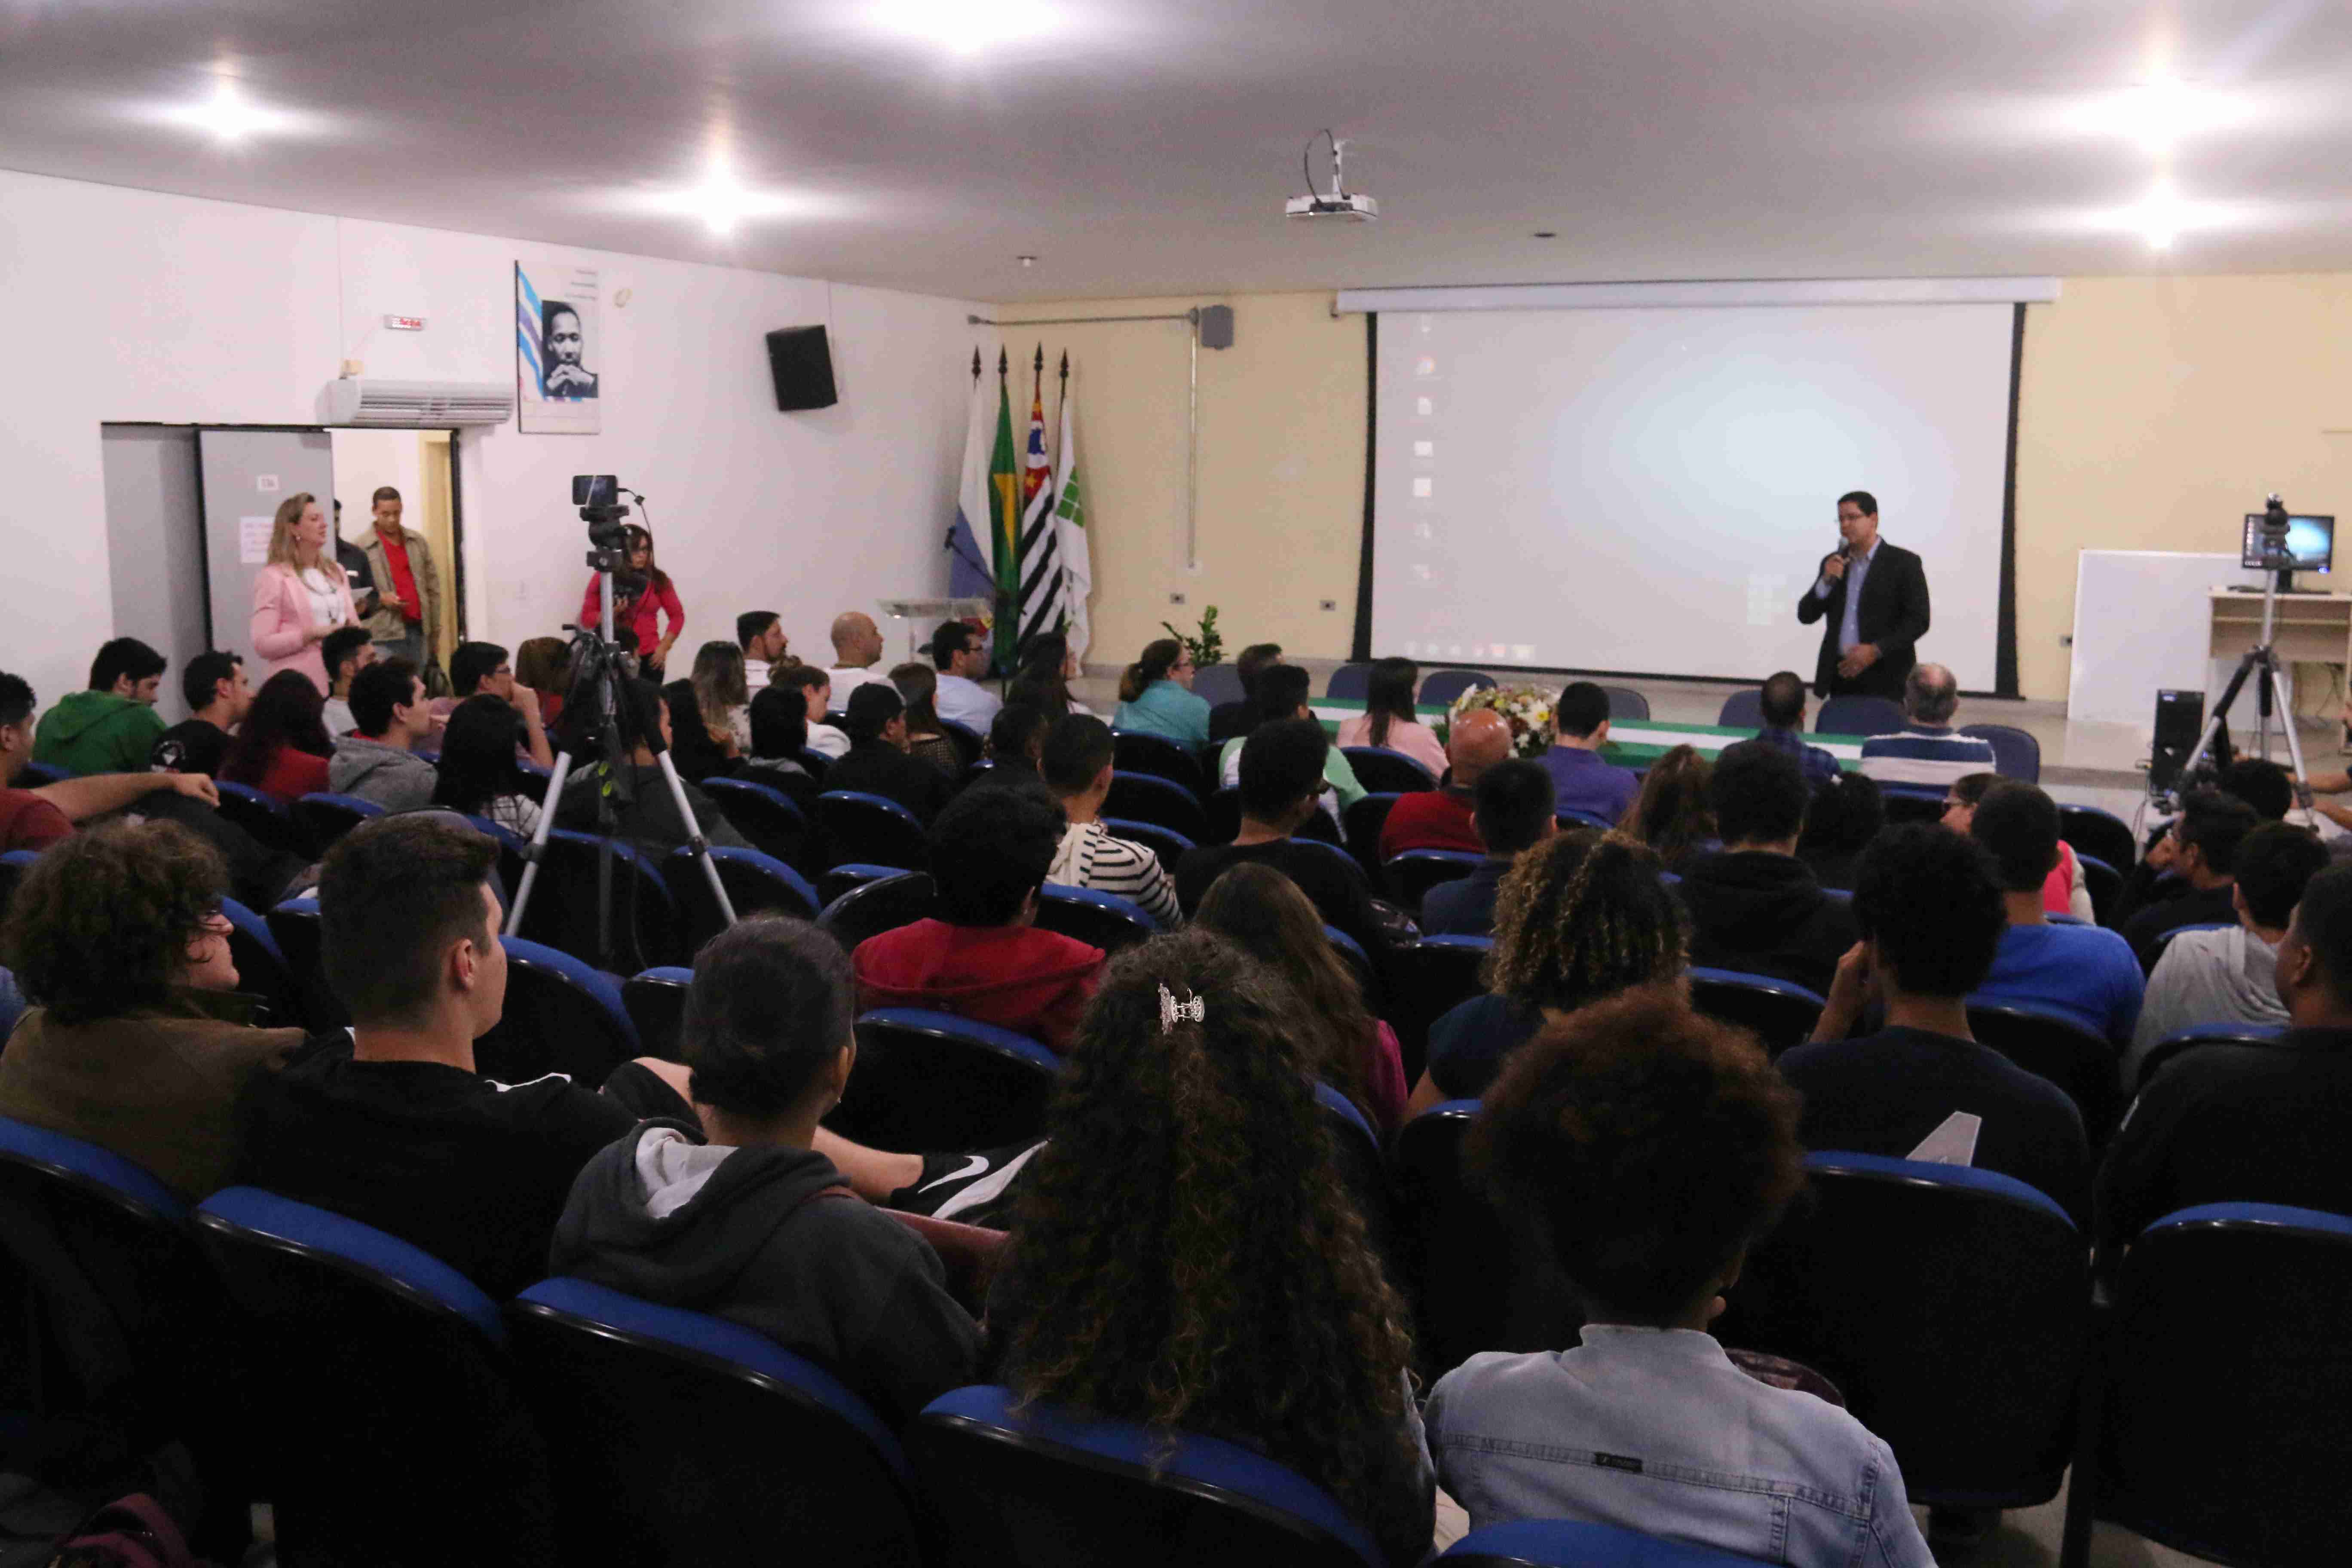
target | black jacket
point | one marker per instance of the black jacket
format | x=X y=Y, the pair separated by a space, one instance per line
x=878 y=767
x=1894 y=616
x=1763 y=913
x=828 y=1278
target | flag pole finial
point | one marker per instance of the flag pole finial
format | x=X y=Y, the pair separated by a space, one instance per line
x=976 y=361
x=1065 y=365
x=1041 y=359
x=1004 y=365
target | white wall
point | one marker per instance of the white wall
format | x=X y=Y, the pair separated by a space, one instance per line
x=127 y=305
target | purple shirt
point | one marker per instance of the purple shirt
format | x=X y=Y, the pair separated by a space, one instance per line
x=1581 y=781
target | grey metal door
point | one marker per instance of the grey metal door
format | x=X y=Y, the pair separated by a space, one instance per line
x=246 y=475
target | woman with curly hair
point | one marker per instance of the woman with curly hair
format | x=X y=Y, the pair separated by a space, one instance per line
x=1262 y=912
x=283 y=747
x=1651 y=1148
x=116 y=936
x=1671 y=814
x=1579 y=917
x=1184 y=1255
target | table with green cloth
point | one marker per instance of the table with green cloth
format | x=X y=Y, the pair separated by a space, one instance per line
x=1633 y=743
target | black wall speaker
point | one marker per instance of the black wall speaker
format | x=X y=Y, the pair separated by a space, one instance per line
x=2180 y=720
x=802 y=366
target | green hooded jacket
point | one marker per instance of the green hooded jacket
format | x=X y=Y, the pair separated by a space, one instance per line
x=97 y=733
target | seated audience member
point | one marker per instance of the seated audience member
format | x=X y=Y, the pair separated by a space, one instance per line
x=2231 y=976
x=1016 y=738
x=2262 y=784
x=1077 y=767
x=479 y=667
x=816 y=688
x=647 y=812
x=2260 y=1124
x=1515 y=812
x=2086 y=974
x=730 y=1214
x=1227 y=720
x=1281 y=698
x=1255 y=1310
x=2188 y=878
x=478 y=775
x=110 y=727
x=1261 y=912
x=857 y=649
x=877 y=762
x=346 y=651
x=1580 y=916
x=695 y=751
x=985 y=959
x=1653 y=1148
x=378 y=761
x=36 y=818
x=1673 y=814
x=1927 y=750
x=1048 y=665
x=1932 y=913
x=2067 y=892
x=1441 y=818
x=544 y=665
x=283 y=749
x=1390 y=717
x=760 y=634
x=390 y=1123
x=1580 y=779
x=926 y=741
x=1155 y=696
x=1754 y=906
x=1845 y=816
x=1782 y=701
x=217 y=697
x=958 y=653
x=1282 y=779
x=779 y=736
x=722 y=693
x=135 y=1040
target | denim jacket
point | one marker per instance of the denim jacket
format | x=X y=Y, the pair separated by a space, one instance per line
x=1656 y=1430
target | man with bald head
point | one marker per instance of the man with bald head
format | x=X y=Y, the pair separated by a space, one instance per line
x=1513 y=810
x=1927 y=750
x=1442 y=819
x=857 y=649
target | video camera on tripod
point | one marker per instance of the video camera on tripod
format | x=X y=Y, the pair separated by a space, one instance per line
x=2266 y=550
x=598 y=497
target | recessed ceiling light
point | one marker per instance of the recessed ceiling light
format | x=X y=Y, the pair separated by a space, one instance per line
x=228 y=115
x=721 y=202
x=2158 y=114
x=1026 y=261
x=2161 y=215
x=966 y=29
x=1546 y=234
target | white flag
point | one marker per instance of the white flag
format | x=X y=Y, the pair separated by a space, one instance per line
x=1070 y=523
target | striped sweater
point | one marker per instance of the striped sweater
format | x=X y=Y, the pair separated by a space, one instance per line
x=1091 y=857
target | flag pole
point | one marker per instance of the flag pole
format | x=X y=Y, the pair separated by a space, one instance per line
x=975 y=367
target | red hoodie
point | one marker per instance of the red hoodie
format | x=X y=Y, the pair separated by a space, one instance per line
x=1034 y=982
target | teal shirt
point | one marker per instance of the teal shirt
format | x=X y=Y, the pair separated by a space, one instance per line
x=1338 y=772
x=1167 y=709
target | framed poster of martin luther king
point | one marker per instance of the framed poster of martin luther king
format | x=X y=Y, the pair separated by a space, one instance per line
x=558 y=389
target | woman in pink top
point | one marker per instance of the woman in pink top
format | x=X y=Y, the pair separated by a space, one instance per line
x=1389 y=720
x=656 y=604
x=303 y=595
x=2066 y=892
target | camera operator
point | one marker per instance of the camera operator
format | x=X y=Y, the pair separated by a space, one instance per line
x=644 y=602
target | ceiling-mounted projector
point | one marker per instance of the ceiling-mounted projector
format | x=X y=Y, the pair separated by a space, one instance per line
x=1335 y=202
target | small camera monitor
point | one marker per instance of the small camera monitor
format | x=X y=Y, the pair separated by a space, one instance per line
x=2310 y=545
x=595 y=490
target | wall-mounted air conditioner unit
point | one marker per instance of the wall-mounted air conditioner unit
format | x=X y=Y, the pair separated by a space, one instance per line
x=413 y=404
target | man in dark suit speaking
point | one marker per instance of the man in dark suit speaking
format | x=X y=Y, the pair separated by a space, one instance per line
x=1874 y=597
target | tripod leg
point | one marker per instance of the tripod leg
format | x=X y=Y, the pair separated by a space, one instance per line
x=2246 y=666
x=698 y=846
x=2293 y=740
x=539 y=843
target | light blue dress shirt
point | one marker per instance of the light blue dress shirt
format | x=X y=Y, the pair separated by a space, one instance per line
x=1856 y=569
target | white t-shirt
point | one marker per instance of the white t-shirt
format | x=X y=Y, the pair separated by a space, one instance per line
x=326 y=596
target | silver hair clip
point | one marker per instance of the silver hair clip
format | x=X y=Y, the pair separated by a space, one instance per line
x=1173 y=1012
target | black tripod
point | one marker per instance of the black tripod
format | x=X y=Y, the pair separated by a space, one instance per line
x=596 y=679
x=2261 y=662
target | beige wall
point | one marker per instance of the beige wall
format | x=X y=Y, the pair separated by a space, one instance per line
x=1281 y=475
x=2154 y=412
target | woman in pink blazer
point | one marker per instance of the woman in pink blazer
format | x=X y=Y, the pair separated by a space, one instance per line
x=302 y=596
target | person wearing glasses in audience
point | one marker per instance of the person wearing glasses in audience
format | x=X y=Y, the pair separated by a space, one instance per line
x=1155 y=696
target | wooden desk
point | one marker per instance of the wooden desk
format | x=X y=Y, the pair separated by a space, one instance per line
x=2307 y=628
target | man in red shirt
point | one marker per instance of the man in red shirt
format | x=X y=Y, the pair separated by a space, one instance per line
x=408 y=591
x=36 y=818
x=1440 y=818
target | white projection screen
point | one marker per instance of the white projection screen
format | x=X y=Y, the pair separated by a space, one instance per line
x=1648 y=491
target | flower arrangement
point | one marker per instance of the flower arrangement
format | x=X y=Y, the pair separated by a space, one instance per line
x=1526 y=709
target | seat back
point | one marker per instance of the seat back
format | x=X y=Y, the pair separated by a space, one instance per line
x=815 y=762
x=2082 y=1064
x=932 y=1080
x=682 y=1438
x=1389 y=771
x=756 y=884
x=1569 y=816
x=2103 y=882
x=261 y=967
x=1574 y=1543
x=1035 y=1484
x=1415 y=872
x=2096 y=832
x=33 y=776
x=321 y=819
x=2189 y=1039
x=1217 y=683
x=765 y=816
x=562 y=910
x=1911 y=803
x=1351 y=681
x=655 y=1000
x=2015 y=754
x=970 y=744
x=1140 y=751
x=1624 y=702
x=869 y=829
x=1781 y=1012
x=1427 y=980
x=12 y=866
x=561 y=1015
x=1479 y=1283
x=357 y=1333
x=2224 y=1400
x=1441 y=689
x=1949 y=1304
x=1360 y=826
x=1164 y=842
x=882 y=904
x=1742 y=711
x=1858 y=716
x=263 y=817
x=1147 y=797
x=1097 y=919
x=294 y=927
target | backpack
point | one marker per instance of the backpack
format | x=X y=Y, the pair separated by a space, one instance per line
x=130 y=1532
